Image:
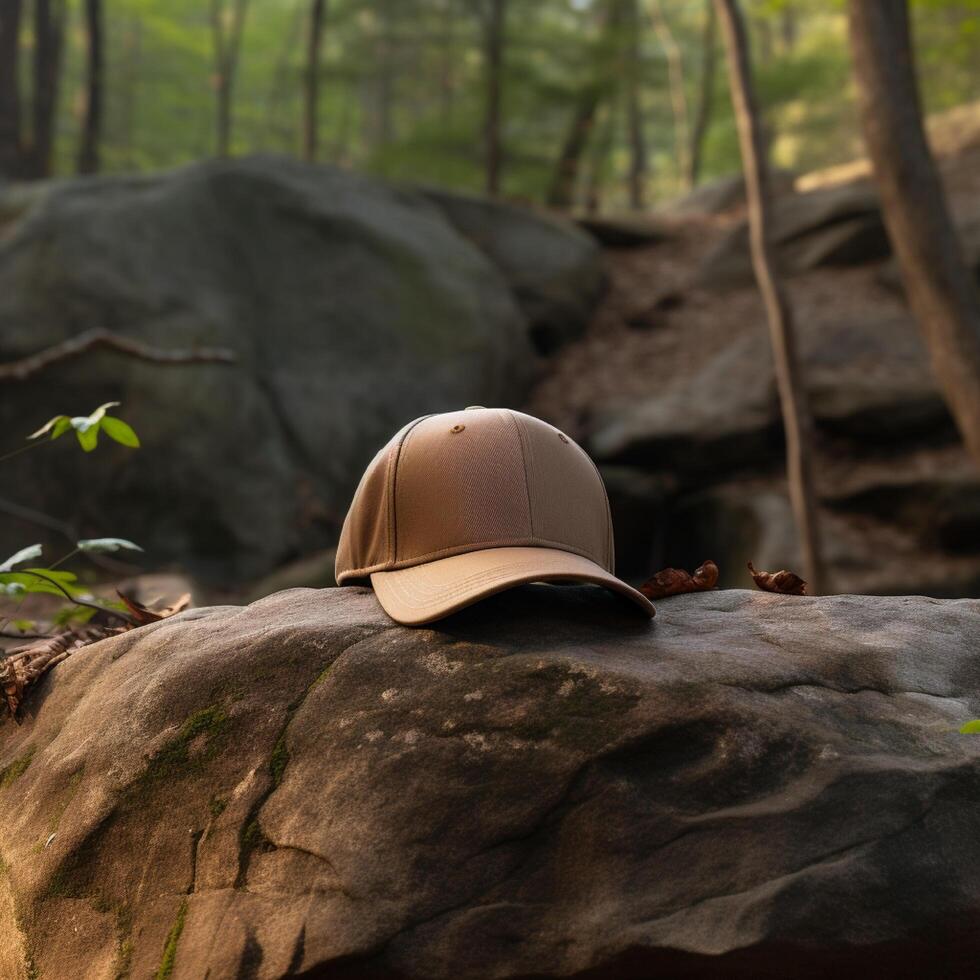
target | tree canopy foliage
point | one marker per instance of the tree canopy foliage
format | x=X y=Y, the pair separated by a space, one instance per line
x=402 y=85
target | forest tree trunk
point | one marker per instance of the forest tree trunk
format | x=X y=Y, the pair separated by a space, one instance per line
x=88 y=153
x=940 y=291
x=675 y=81
x=496 y=20
x=130 y=86
x=227 y=40
x=311 y=81
x=561 y=193
x=706 y=90
x=601 y=149
x=11 y=145
x=49 y=25
x=447 y=64
x=634 y=83
x=792 y=392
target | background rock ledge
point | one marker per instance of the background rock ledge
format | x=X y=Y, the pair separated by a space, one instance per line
x=544 y=785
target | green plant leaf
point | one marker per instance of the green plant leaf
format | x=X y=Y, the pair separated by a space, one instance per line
x=27 y=582
x=23 y=625
x=13 y=589
x=25 y=554
x=971 y=728
x=87 y=437
x=65 y=578
x=121 y=431
x=98 y=545
x=73 y=614
x=57 y=426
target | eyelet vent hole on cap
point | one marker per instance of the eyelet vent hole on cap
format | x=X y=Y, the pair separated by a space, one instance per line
x=458 y=427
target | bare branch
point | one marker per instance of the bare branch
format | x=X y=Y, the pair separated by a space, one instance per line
x=79 y=602
x=27 y=367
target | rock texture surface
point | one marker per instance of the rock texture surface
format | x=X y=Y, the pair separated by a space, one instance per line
x=830 y=227
x=543 y=786
x=353 y=306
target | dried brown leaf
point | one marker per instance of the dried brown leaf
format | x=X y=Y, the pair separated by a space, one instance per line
x=143 y=614
x=783 y=581
x=676 y=581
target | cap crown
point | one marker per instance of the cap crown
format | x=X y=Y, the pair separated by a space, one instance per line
x=470 y=480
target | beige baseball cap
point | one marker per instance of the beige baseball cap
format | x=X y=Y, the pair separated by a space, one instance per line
x=461 y=505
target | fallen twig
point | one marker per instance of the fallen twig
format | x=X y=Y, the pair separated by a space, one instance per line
x=26 y=367
x=23 y=666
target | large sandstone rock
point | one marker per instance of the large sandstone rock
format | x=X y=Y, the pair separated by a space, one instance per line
x=553 y=268
x=868 y=380
x=352 y=306
x=830 y=227
x=724 y=194
x=544 y=785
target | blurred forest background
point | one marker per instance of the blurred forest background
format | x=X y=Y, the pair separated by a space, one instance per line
x=276 y=230
x=634 y=90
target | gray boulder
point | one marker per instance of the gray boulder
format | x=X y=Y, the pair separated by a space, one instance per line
x=553 y=268
x=352 y=307
x=723 y=194
x=868 y=381
x=750 y=785
x=833 y=226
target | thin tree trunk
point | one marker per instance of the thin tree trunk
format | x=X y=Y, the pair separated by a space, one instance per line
x=675 y=78
x=634 y=82
x=280 y=91
x=788 y=28
x=88 y=154
x=311 y=85
x=447 y=63
x=940 y=290
x=494 y=62
x=49 y=16
x=130 y=84
x=561 y=194
x=562 y=191
x=706 y=90
x=599 y=160
x=792 y=393
x=385 y=76
x=11 y=144
x=227 y=39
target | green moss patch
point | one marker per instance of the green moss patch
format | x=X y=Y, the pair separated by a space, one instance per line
x=174 y=759
x=16 y=769
x=166 y=967
x=279 y=760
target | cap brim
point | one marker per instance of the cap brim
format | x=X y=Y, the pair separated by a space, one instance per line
x=423 y=593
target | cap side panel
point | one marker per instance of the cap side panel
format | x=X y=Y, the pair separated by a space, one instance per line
x=392 y=554
x=610 y=538
x=363 y=538
x=568 y=500
x=526 y=454
x=366 y=538
x=459 y=484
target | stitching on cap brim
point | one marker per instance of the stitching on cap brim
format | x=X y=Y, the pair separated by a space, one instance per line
x=409 y=599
